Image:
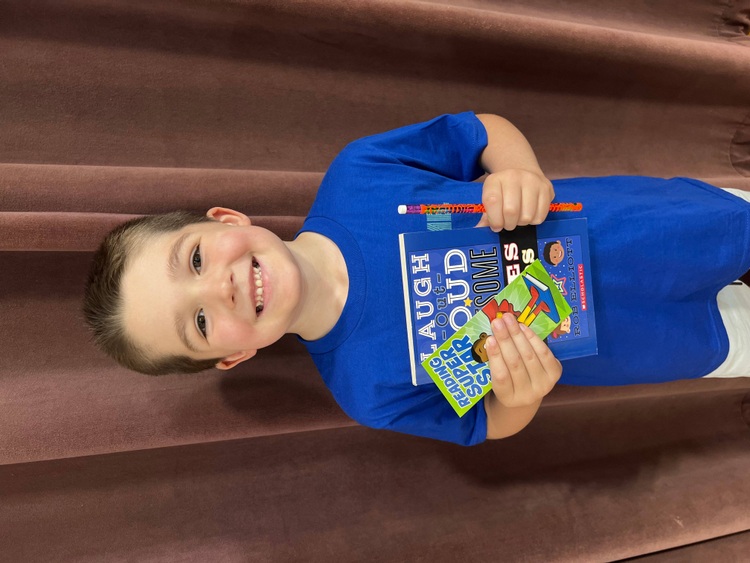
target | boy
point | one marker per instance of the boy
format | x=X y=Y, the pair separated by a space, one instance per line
x=179 y=293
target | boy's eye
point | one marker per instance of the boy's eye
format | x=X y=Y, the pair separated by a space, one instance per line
x=195 y=259
x=200 y=322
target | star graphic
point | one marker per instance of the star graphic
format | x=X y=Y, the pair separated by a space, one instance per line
x=467 y=301
x=560 y=283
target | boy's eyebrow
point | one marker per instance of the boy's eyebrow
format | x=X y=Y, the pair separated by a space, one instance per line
x=174 y=256
x=181 y=326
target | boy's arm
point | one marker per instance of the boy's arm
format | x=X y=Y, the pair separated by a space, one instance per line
x=515 y=192
x=505 y=421
x=523 y=372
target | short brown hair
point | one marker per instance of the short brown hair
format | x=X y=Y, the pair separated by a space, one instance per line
x=102 y=302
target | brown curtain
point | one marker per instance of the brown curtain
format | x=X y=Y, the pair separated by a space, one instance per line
x=111 y=108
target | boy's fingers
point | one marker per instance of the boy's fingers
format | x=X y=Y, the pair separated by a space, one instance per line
x=547 y=360
x=535 y=380
x=484 y=221
x=522 y=366
x=512 y=202
x=542 y=210
x=542 y=205
x=502 y=384
x=529 y=203
x=516 y=197
x=508 y=335
x=492 y=199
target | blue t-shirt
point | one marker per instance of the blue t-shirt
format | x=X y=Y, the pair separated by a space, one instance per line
x=655 y=274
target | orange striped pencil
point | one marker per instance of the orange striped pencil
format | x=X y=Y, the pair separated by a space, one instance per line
x=440 y=208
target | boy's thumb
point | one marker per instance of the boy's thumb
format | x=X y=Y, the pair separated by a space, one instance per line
x=483 y=222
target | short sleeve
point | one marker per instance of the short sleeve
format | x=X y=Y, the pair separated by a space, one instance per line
x=449 y=145
x=434 y=418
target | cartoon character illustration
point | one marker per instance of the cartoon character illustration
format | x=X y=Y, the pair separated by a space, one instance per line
x=495 y=310
x=562 y=328
x=541 y=302
x=553 y=253
x=478 y=351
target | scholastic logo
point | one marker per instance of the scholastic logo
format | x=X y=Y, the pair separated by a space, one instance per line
x=582 y=286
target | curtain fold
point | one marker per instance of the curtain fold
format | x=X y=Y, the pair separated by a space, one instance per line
x=111 y=109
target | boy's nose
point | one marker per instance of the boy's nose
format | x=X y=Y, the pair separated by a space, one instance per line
x=220 y=287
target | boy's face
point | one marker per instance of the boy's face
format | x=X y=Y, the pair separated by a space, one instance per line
x=556 y=253
x=221 y=289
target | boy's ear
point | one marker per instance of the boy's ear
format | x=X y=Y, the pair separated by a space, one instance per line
x=233 y=359
x=228 y=216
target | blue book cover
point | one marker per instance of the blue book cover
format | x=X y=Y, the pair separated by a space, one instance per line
x=449 y=275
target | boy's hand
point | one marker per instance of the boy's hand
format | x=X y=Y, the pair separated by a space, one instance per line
x=515 y=197
x=522 y=366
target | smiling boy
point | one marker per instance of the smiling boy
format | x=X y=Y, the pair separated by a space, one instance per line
x=183 y=293
x=221 y=290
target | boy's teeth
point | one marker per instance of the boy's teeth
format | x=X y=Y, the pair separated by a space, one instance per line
x=258 y=287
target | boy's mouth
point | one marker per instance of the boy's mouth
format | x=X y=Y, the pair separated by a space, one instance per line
x=257 y=287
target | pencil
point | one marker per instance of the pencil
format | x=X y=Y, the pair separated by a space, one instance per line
x=440 y=208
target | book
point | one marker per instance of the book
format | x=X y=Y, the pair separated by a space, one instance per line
x=458 y=366
x=449 y=275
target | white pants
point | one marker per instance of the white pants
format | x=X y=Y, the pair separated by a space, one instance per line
x=734 y=307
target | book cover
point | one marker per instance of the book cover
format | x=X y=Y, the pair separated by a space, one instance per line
x=449 y=275
x=458 y=366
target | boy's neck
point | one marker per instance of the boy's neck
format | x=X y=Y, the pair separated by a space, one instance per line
x=325 y=284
